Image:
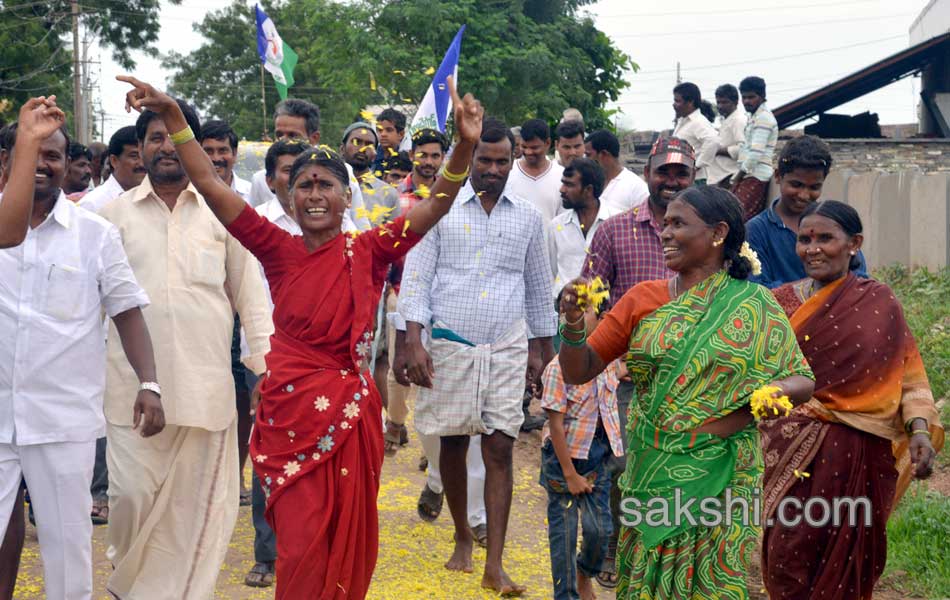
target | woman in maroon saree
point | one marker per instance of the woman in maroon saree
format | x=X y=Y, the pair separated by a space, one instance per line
x=317 y=445
x=872 y=402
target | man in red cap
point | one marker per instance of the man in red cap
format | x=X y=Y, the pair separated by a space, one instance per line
x=626 y=250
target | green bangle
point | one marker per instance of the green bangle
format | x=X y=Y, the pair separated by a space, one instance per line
x=575 y=343
x=181 y=137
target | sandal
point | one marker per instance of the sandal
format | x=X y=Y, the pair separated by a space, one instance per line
x=245 y=498
x=480 y=534
x=261 y=575
x=100 y=512
x=430 y=504
x=392 y=438
x=607 y=578
x=423 y=463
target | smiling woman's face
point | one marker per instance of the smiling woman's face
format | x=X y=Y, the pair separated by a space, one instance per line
x=825 y=248
x=319 y=199
x=687 y=239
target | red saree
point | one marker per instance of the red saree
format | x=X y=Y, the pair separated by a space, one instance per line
x=869 y=380
x=317 y=444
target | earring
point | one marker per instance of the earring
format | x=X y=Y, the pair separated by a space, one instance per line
x=853 y=253
x=717 y=243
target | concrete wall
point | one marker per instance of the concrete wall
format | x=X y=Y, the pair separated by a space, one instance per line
x=906 y=215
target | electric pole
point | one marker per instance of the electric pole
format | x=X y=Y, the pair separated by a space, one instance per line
x=679 y=79
x=78 y=107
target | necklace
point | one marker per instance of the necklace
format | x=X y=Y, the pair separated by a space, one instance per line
x=676 y=287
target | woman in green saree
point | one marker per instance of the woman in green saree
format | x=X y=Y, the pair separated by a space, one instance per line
x=696 y=346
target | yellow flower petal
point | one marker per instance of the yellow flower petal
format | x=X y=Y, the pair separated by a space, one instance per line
x=430 y=71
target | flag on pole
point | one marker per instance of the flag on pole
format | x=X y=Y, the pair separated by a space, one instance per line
x=437 y=103
x=278 y=58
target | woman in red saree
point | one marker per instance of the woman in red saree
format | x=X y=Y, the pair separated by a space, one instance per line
x=872 y=402
x=318 y=442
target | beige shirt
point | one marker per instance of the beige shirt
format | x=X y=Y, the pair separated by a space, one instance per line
x=189 y=265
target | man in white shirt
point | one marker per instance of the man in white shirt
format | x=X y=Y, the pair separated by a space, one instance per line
x=731 y=136
x=536 y=178
x=220 y=142
x=623 y=189
x=125 y=160
x=298 y=119
x=571 y=232
x=69 y=269
x=173 y=502
x=569 y=136
x=693 y=127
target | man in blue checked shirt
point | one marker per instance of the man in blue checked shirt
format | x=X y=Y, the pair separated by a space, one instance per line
x=480 y=284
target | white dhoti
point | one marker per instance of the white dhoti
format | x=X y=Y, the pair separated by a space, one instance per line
x=476 y=389
x=173 y=504
x=57 y=475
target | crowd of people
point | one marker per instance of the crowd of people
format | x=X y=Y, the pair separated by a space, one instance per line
x=190 y=320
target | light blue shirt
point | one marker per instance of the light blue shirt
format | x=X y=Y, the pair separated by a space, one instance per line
x=477 y=274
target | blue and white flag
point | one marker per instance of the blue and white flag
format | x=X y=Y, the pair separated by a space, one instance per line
x=279 y=59
x=437 y=103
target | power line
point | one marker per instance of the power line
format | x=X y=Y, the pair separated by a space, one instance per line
x=736 y=10
x=771 y=58
x=767 y=28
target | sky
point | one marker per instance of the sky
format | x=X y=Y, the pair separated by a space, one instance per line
x=797 y=46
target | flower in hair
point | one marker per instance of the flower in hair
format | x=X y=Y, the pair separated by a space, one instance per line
x=749 y=254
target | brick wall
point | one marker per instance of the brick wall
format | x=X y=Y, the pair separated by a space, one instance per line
x=858 y=155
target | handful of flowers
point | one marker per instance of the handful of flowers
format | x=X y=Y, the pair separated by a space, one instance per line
x=592 y=294
x=763 y=402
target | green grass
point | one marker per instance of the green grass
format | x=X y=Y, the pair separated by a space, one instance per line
x=917 y=535
x=925 y=297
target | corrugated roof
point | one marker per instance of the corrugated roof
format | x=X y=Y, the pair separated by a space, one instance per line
x=884 y=72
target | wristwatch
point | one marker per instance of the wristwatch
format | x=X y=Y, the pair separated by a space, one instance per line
x=150 y=386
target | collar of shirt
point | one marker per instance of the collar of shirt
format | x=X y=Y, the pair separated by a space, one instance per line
x=603 y=213
x=241 y=186
x=474 y=196
x=773 y=217
x=61 y=212
x=643 y=213
x=274 y=212
x=758 y=112
x=145 y=189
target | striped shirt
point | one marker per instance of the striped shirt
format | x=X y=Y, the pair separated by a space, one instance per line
x=583 y=407
x=626 y=250
x=755 y=153
x=477 y=273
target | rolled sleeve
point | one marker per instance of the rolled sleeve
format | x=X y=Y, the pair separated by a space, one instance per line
x=250 y=299
x=119 y=291
x=542 y=321
x=417 y=276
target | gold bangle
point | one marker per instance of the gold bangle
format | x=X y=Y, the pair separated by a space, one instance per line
x=922 y=432
x=183 y=136
x=456 y=177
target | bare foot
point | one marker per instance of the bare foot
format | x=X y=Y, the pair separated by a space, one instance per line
x=461 y=559
x=585 y=587
x=501 y=583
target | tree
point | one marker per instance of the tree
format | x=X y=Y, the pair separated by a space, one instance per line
x=523 y=58
x=37 y=54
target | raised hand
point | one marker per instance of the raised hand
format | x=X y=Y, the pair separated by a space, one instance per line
x=570 y=303
x=143 y=96
x=39 y=118
x=468 y=113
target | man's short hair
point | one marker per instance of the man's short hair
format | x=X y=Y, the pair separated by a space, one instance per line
x=806 y=152
x=77 y=151
x=590 y=171
x=535 y=129
x=295 y=107
x=124 y=136
x=292 y=147
x=147 y=116
x=569 y=129
x=601 y=140
x=393 y=116
x=689 y=92
x=8 y=137
x=429 y=136
x=753 y=84
x=495 y=130
x=219 y=130
x=728 y=91
x=400 y=161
